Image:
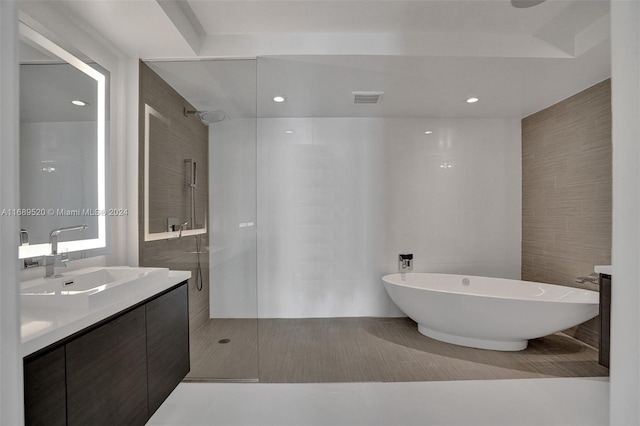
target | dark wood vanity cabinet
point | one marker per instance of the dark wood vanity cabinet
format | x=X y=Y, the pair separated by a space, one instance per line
x=167 y=338
x=117 y=372
x=107 y=373
x=45 y=389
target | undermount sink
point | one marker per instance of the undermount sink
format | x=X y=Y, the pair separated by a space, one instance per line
x=87 y=288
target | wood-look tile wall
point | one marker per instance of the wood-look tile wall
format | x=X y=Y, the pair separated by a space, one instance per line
x=182 y=138
x=566 y=193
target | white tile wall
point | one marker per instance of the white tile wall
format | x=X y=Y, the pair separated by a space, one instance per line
x=340 y=198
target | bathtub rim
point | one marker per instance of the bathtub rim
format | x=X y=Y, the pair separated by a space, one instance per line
x=594 y=294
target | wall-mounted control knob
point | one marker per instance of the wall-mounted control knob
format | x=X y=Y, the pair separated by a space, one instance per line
x=405 y=262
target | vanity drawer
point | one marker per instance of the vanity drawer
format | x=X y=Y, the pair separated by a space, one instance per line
x=45 y=389
x=107 y=373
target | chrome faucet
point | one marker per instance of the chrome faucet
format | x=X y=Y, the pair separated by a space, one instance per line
x=50 y=260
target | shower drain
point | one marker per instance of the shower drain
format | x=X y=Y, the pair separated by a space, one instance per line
x=224 y=341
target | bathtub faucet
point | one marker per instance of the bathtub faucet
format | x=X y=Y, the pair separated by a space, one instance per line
x=405 y=262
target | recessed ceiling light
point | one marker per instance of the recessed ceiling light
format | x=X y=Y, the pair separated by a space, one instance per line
x=279 y=99
x=472 y=100
x=78 y=102
x=428 y=132
x=289 y=132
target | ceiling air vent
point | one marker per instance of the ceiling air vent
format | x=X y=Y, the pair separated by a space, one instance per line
x=367 y=97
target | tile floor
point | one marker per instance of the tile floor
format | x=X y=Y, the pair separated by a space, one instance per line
x=557 y=401
x=323 y=350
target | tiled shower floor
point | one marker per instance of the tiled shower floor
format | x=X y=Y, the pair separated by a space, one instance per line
x=323 y=350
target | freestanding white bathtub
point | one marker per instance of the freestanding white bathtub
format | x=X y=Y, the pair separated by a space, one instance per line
x=488 y=313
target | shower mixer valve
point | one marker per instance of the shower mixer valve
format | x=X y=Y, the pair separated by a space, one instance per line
x=405 y=262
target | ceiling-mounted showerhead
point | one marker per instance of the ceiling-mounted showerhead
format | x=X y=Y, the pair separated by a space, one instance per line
x=210 y=117
x=207 y=117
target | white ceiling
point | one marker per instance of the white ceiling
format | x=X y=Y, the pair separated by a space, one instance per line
x=479 y=16
x=48 y=85
x=47 y=89
x=427 y=56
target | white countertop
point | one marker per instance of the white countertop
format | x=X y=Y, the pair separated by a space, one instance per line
x=42 y=327
x=603 y=269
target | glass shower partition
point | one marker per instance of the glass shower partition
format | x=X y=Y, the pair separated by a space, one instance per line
x=233 y=327
x=224 y=346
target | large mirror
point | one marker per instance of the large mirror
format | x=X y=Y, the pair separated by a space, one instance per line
x=63 y=132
